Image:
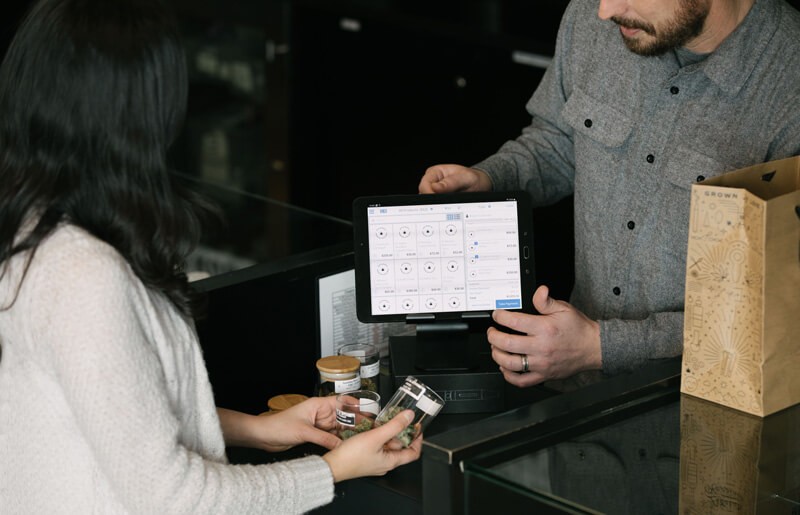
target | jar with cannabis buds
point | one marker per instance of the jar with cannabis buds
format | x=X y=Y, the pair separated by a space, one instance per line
x=338 y=374
x=370 y=359
x=413 y=395
x=356 y=412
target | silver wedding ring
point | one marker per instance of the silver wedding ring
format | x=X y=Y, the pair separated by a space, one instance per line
x=525 y=364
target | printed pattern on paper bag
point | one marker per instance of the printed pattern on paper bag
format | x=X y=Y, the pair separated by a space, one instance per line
x=723 y=318
x=718 y=460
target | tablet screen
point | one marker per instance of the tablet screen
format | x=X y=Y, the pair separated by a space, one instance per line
x=447 y=256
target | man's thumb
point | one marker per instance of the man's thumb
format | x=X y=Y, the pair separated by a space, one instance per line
x=542 y=301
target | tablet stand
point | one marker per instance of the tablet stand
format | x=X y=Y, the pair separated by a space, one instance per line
x=479 y=390
x=444 y=347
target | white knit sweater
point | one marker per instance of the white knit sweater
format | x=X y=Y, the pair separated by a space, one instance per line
x=105 y=403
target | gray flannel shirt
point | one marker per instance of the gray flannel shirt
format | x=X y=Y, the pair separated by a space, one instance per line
x=628 y=135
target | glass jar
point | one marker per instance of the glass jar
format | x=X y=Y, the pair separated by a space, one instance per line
x=413 y=395
x=356 y=412
x=338 y=374
x=370 y=359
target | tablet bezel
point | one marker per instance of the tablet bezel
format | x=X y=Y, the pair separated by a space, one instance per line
x=362 y=262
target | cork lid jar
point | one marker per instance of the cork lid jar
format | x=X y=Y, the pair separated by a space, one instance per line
x=338 y=374
x=336 y=365
x=285 y=401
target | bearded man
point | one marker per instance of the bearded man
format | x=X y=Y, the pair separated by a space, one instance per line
x=642 y=99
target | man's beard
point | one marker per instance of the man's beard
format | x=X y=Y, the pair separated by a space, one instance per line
x=686 y=25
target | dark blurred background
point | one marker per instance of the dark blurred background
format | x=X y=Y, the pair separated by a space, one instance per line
x=316 y=102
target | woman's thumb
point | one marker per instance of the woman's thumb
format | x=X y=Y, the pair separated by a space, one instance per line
x=398 y=423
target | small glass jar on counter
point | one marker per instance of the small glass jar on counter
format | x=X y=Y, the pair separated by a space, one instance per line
x=370 y=359
x=338 y=374
x=413 y=395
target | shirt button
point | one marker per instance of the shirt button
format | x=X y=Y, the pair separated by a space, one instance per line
x=701 y=178
x=616 y=290
x=587 y=122
x=674 y=90
x=631 y=225
x=650 y=158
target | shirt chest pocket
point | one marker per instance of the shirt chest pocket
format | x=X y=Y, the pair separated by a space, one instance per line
x=593 y=119
x=686 y=167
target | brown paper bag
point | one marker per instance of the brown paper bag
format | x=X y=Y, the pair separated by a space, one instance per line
x=742 y=311
x=734 y=462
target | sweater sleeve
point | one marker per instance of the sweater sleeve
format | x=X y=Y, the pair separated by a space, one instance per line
x=92 y=334
x=541 y=159
x=622 y=340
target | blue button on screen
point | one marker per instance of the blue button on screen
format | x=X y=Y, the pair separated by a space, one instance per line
x=508 y=303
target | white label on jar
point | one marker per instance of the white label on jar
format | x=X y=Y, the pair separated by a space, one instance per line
x=345 y=418
x=408 y=391
x=348 y=385
x=414 y=395
x=371 y=370
x=428 y=405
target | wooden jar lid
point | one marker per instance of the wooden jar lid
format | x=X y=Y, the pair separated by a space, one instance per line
x=338 y=364
x=285 y=401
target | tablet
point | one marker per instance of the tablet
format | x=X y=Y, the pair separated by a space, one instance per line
x=444 y=257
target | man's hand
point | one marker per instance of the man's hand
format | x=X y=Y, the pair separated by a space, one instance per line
x=453 y=178
x=557 y=343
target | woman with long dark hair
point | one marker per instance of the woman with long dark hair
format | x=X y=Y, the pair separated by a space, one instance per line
x=105 y=403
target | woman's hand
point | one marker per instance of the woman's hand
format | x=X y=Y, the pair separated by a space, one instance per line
x=374 y=452
x=371 y=453
x=308 y=422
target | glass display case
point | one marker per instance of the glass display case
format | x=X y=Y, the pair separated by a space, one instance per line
x=450 y=459
x=684 y=455
x=258 y=230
